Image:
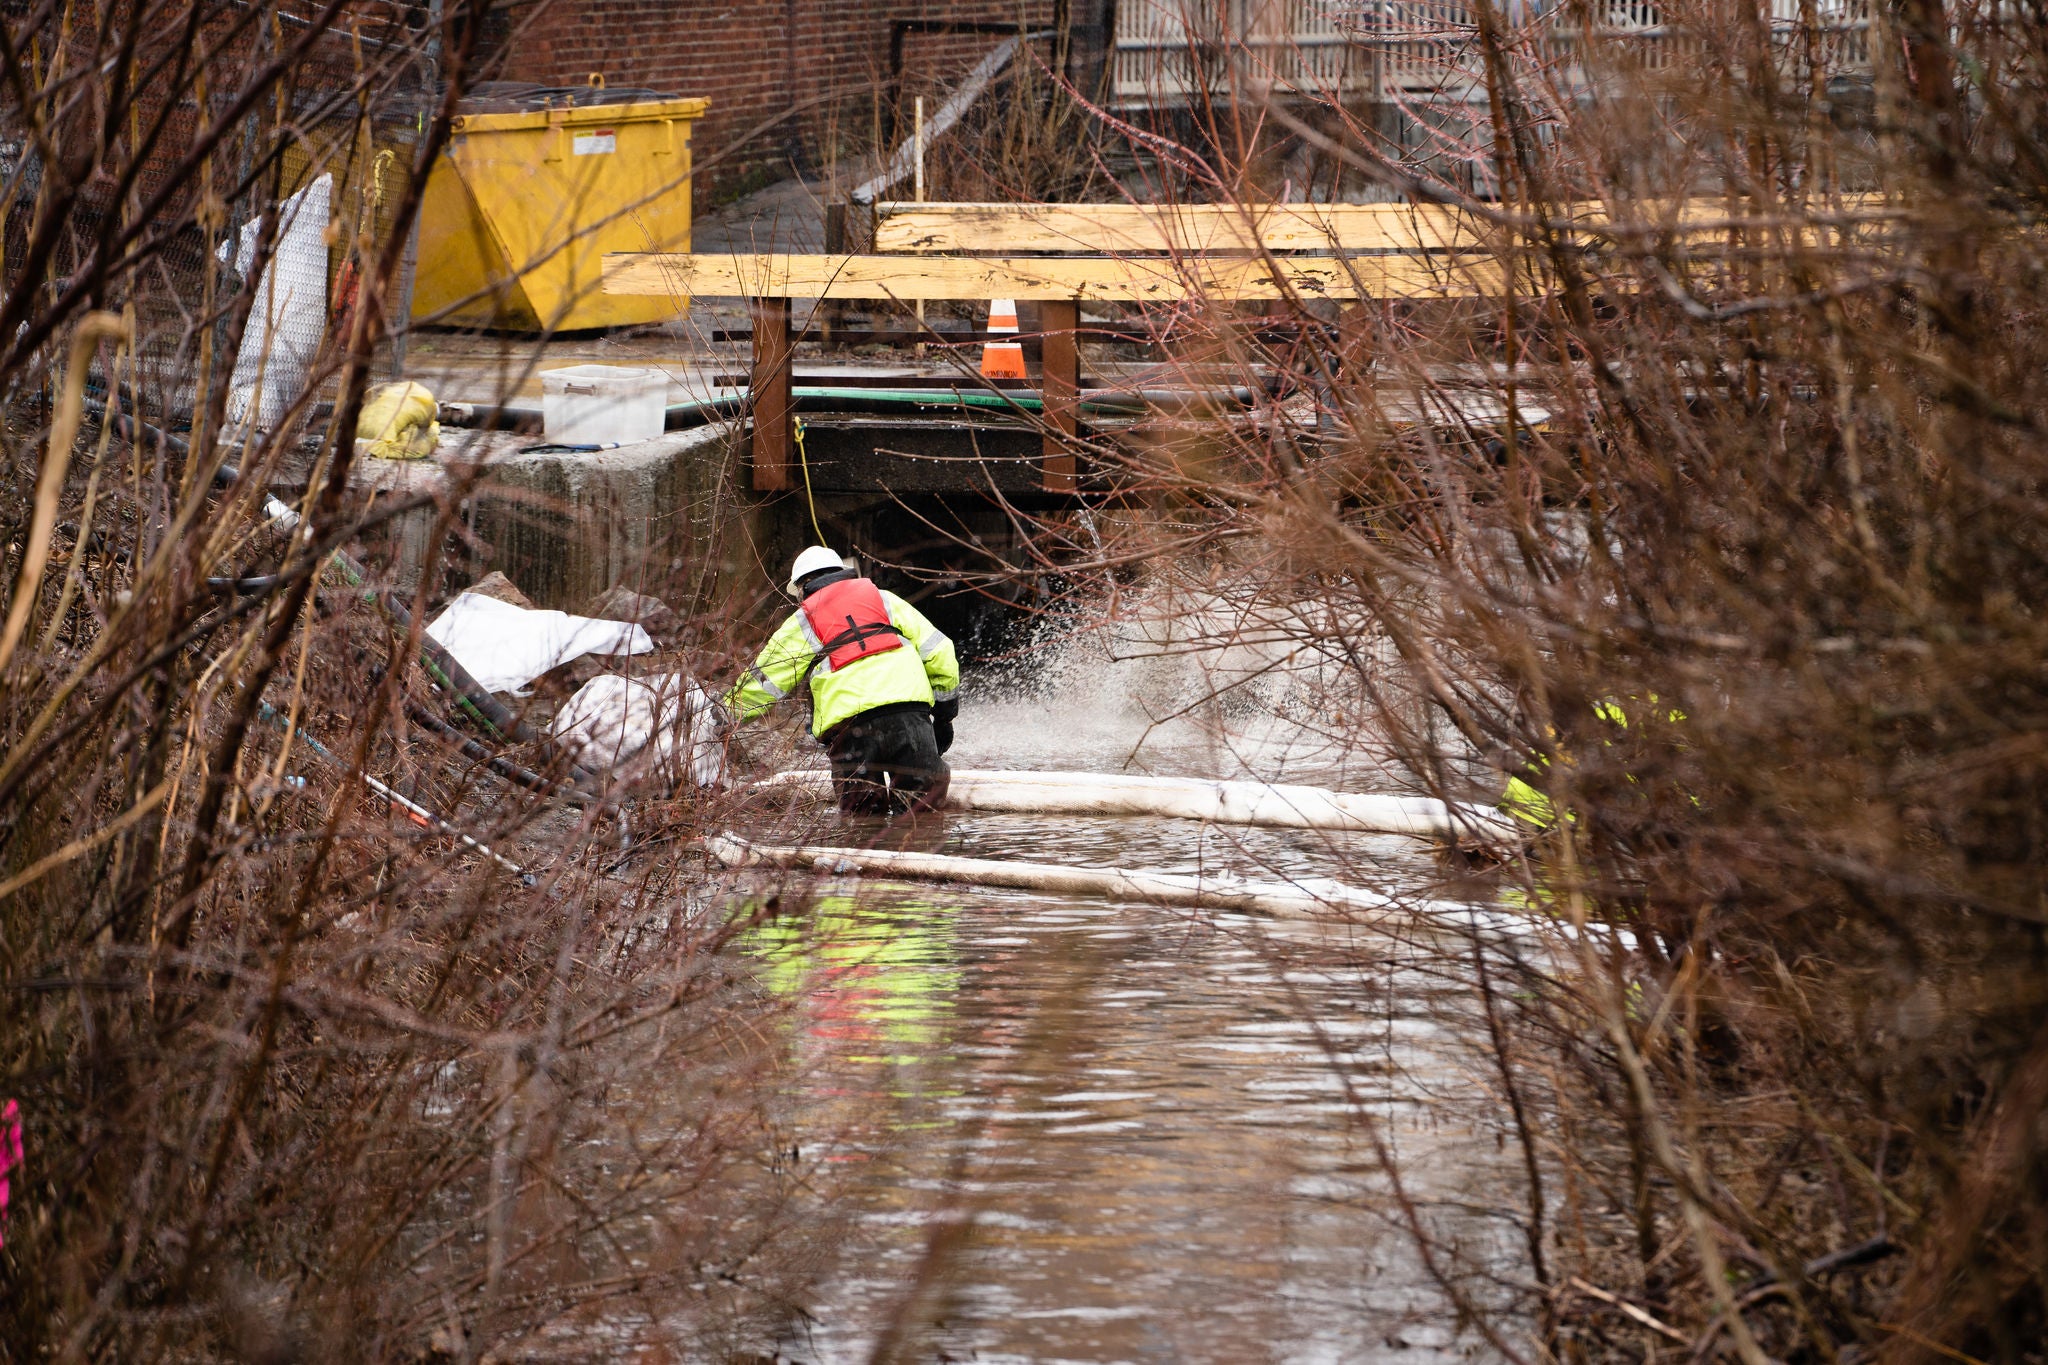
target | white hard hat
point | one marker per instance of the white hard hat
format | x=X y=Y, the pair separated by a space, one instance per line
x=812 y=560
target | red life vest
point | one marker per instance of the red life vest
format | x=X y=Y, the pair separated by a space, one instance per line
x=849 y=620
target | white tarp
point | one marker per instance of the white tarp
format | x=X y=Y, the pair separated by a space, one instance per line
x=665 y=724
x=506 y=647
x=287 y=324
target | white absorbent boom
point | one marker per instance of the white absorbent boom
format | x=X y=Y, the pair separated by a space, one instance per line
x=1304 y=898
x=1273 y=804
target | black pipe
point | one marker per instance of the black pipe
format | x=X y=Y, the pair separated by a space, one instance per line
x=828 y=398
x=504 y=767
x=245 y=587
x=491 y=417
x=135 y=430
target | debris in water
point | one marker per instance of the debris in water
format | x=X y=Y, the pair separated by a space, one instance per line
x=1273 y=804
x=1303 y=898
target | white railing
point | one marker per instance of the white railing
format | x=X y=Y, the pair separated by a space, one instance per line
x=1168 y=51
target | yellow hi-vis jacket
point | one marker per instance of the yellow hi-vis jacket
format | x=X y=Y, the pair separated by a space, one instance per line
x=925 y=669
x=1525 y=802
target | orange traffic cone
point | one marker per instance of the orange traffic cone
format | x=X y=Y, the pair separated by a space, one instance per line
x=1002 y=359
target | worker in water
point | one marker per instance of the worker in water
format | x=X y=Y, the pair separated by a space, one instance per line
x=1527 y=797
x=883 y=685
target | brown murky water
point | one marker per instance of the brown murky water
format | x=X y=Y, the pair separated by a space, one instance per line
x=1164 y=1129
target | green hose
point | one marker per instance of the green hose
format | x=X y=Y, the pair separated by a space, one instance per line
x=932 y=398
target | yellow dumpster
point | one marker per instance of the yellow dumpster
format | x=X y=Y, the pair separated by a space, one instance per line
x=535 y=187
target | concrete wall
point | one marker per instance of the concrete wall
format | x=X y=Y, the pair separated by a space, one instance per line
x=674 y=518
x=566 y=528
x=815 y=71
x=667 y=517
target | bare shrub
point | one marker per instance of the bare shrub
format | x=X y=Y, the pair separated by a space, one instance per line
x=304 y=1073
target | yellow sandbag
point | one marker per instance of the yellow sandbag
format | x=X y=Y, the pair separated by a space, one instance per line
x=399 y=422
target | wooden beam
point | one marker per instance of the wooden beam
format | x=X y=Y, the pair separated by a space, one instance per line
x=1005 y=229
x=772 y=403
x=1059 y=385
x=1093 y=279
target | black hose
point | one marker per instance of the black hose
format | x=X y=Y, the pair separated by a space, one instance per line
x=503 y=767
x=826 y=398
x=136 y=430
x=245 y=587
x=492 y=417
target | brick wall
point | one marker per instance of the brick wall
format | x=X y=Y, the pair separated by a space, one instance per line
x=790 y=81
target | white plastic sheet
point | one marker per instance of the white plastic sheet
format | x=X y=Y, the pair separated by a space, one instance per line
x=664 y=724
x=289 y=320
x=506 y=647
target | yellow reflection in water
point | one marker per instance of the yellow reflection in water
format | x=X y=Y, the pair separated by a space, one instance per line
x=879 y=982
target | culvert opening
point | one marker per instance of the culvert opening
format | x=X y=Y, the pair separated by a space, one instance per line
x=962 y=562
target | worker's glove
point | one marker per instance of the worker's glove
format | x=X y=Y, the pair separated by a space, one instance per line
x=942 y=721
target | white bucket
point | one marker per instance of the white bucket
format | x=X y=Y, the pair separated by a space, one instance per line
x=602 y=404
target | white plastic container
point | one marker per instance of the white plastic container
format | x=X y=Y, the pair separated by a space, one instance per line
x=602 y=404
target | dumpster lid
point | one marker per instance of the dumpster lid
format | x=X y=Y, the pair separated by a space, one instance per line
x=523 y=97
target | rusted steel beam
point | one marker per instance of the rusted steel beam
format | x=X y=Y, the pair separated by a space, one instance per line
x=1060 y=386
x=769 y=397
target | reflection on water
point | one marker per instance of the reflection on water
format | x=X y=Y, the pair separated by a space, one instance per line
x=877 y=988
x=1160 y=1124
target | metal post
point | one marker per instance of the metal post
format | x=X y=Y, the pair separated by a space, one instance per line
x=400 y=323
x=831 y=313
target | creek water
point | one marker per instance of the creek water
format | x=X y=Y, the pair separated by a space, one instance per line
x=1138 y=1134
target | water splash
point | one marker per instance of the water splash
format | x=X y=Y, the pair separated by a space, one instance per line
x=1191 y=680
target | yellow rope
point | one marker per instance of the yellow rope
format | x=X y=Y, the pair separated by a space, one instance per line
x=803 y=462
x=373 y=193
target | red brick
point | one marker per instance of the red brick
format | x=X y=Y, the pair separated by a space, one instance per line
x=779 y=73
